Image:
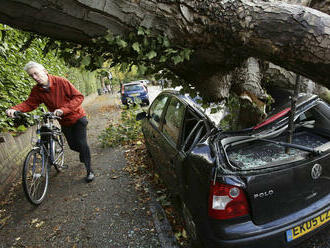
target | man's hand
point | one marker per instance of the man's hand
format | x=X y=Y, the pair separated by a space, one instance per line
x=58 y=112
x=11 y=112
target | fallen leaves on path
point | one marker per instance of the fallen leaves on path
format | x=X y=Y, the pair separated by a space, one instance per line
x=142 y=171
x=109 y=108
x=37 y=223
x=6 y=200
x=3 y=221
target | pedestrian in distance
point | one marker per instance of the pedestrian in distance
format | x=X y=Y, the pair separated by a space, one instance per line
x=108 y=83
x=62 y=98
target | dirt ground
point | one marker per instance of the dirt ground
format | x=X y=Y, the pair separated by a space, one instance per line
x=107 y=212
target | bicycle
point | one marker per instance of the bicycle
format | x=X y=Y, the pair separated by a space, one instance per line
x=47 y=151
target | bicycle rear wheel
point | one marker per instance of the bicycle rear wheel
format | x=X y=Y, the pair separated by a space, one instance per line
x=35 y=176
x=58 y=153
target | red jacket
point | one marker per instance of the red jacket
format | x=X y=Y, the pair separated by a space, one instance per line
x=61 y=95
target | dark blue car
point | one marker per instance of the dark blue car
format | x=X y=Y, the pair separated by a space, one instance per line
x=243 y=189
x=131 y=91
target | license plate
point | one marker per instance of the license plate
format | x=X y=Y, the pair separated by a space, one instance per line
x=135 y=94
x=307 y=226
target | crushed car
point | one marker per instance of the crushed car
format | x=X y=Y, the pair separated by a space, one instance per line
x=247 y=188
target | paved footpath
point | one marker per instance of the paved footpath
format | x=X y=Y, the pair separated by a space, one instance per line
x=105 y=213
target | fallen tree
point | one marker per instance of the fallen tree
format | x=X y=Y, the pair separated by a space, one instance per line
x=229 y=39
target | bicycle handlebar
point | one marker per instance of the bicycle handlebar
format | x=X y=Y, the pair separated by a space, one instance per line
x=50 y=115
x=19 y=114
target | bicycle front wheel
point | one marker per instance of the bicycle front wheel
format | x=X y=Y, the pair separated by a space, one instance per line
x=35 y=176
x=58 y=153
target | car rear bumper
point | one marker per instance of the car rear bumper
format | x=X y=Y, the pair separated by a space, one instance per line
x=144 y=99
x=271 y=235
x=271 y=240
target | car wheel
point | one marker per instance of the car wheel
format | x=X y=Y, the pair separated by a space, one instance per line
x=190 y=227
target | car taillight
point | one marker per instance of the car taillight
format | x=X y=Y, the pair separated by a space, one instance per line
x=122 y=90
x=227 y=201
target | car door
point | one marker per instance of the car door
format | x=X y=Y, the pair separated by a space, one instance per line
x=194 y=173
x=169 y=143
x=151 y=129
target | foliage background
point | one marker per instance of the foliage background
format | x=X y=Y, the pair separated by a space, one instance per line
x=16 y=49
x=83 y=66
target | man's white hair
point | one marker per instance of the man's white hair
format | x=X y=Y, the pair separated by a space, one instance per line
x=32 y=64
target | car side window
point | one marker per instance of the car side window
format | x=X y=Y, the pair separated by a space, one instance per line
x=173 y=119
x=194 y=129
x=156 y=109
x=314 y=117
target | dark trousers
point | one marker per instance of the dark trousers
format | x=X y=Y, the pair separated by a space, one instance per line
x=76 y=136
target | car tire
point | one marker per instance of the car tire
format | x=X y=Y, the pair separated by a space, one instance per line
x=190 y=227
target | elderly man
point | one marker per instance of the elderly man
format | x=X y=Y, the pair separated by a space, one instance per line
x=62 y=98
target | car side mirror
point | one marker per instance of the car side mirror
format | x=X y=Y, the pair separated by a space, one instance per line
x=141 y=116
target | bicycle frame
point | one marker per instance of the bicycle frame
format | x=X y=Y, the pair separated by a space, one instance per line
x=45 y=138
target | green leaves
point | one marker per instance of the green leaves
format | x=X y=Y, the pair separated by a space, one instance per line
x=21 y=128
x=140 y=31
x=121 y=43
x=127 y=130
x=143 y=32
x=86 y=60
x=162 y=59
x=177 y=59
x=109 y=37
x=166 y=42
x=99 y=61
x=185 y=53
x=142 y=69
x=139 y=47
x=136 y=47
x=150 y=55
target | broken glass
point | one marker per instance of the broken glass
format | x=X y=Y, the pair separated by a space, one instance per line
x=257 y=154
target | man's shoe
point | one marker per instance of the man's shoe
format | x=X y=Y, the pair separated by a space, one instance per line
x=90 y=177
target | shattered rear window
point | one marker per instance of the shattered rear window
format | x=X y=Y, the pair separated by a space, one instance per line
x=260 y=154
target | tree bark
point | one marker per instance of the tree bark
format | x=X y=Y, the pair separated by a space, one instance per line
x=223 y=34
